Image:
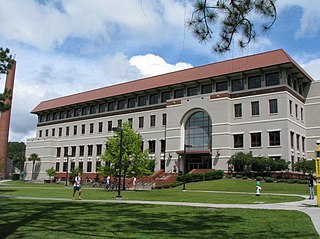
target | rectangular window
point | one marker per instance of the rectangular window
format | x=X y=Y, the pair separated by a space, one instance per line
x=298 y=142
x=91 y=128
x=141 y=122
x=100 y=128
x=178 y=93
x=89 y=166
x=102 y=107
x=165 y=96
x=53 y=132
x=164 y=119
x=85 y=110
x=75 y=129
x=67 y=131
x=290 y=107
x=65 y=166
x=69 y=113
x=163 y=145
x=58 y=152
x=254 y=82
x=47 y=132
x=99 y=149
x=205 y=89
x=60 y=132
x=238 y=110
x=40 y=133
x=303 y=139
x=272 y=79
x=81 y=151
x=292 y=139
x=154 y=99
x=273 y=106
x=111 y=106
x=274 y=138
x=255 y=139
x=238 y=140
x=73 y=165
x=120 y=123
x=255 y=108
x=296 y=109
x=77 y=112
x=109 y=126
x=56 y=116
x=192 y=91
x=222 y=86
x=237 y=85
x=73 y=151
x=81 y=166
x=301 y=114
x=83 y=129
x=142 y=100
x=90 y=149
x=62 y=115
x=152 y=120
x=98 y=164
x=93 y=109
x=121 y=104
x=65 y=149
x=131 y=102
x=57 y=166
x=152 y=146
x=130 y=121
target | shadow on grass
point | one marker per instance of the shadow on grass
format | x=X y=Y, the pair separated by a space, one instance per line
x=32 y=219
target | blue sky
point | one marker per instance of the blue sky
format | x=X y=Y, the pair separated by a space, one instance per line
x=64 y=47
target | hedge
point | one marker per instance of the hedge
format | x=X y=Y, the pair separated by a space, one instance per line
x=196 y=177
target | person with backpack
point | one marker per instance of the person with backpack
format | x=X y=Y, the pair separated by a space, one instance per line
x=77 y=186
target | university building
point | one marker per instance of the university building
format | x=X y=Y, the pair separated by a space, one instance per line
x=264 y=103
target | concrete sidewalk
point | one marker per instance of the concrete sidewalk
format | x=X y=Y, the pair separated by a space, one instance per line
x=307 y=206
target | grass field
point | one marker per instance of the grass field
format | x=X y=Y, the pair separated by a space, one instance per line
x=68 y=219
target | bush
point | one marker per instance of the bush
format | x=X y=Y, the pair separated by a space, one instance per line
x=303 y=181
x=293 y=180
x=281 y=180
x=268 y=180
x=238 y=176
x=244 y=177
x=196 y=177
x=259 y=178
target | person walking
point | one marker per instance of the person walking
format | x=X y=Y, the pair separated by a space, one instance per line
x=311 y=187
x=77 y=186
x=258 y=188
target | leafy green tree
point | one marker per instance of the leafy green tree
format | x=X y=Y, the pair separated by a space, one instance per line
x=74 y=172
x=6 y=60
x=16 y=152
x=135 y=162
x=241 y=161
x=33 y=157
x=232 y=17
x=278 y=164
x=51 y=172
x=259 y=164
x=305 y=166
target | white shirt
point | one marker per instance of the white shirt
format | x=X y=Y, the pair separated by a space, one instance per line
x=77 y=181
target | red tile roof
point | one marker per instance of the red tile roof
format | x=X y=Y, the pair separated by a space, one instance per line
x=276 y=57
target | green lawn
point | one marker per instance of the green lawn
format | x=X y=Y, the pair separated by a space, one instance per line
x=42 y=219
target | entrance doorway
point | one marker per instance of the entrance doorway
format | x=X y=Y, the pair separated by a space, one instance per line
x=198 y=161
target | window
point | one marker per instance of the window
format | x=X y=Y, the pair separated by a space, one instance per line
x=255 y=139
x=93 y=109
x=165 y=96
x=254 y=82
x=272 y=79
x=83 y=129
x=57 y=166
x=73 y=151
x=301 y=114
x=111 y=106
x=296 y=109
x=238 y=140
x=152 y=146
x=205 y=89
x=237 y=85
x=121 y=104
x=142 y=100
x=56 y=116
x=81 y=151
x=100 y=128
x=109 y=126
x=292 y=139
x=75 y=129
x=237 y=110
x=303 y=141
x=131 y=103
x=120 y=123
x=65 y=149
x=40 y=133
x=221 y=86
x=289 y=82
x=98 y=164
x=65 y=166
x=141 y=122
x=62 y=115
x=73 y=165
x=99 y=149
x=154 y=99
x=102 y=107
x=298 y=142
x=90 y=149
x=192 y=91
x=69 y=113
x=58 y=152
x=130 y=121
x=89 y=166
x=164 y=119
x=290 y=107
x=47 y=132
x=85 y=110
x=67 y=131
x=77 y=112
x=152 y=120
x=255 y=108
x=163 y=145
x=53 y=132
x=91 y=128
x=274 y=138
x=178 y=93
x=60 y=132
x=81 y=165
x=273 y=106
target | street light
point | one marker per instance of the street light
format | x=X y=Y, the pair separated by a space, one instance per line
x=118 y=129
x=184 y=165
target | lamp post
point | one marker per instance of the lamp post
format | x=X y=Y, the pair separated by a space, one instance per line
x=184 y=165
x=118 y=129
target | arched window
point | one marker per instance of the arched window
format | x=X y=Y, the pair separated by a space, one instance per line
x=198 y=131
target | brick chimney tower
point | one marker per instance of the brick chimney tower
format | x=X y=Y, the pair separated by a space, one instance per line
x=5 y=123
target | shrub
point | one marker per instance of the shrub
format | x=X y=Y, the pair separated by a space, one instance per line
x=303 y=181
x=196 y=177
x=244 y=177
x=268 y=180
x=259 y=178
x=281 y=180
x=238 y=176
x=293 y=180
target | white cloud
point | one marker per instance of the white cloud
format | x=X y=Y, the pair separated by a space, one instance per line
x=312 y=67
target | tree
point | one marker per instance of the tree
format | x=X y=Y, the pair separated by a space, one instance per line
x=51 y=172
x=74 y=172
x=135 y=162
x=234 y=16
x=305 y=166
x=6 y=60
x=16 y=152
x=33 y=157
x=241 y=161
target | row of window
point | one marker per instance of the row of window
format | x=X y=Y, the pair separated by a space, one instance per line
x=83 y=127
x=253 y=82
x=65 y=166
x=274 y=140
